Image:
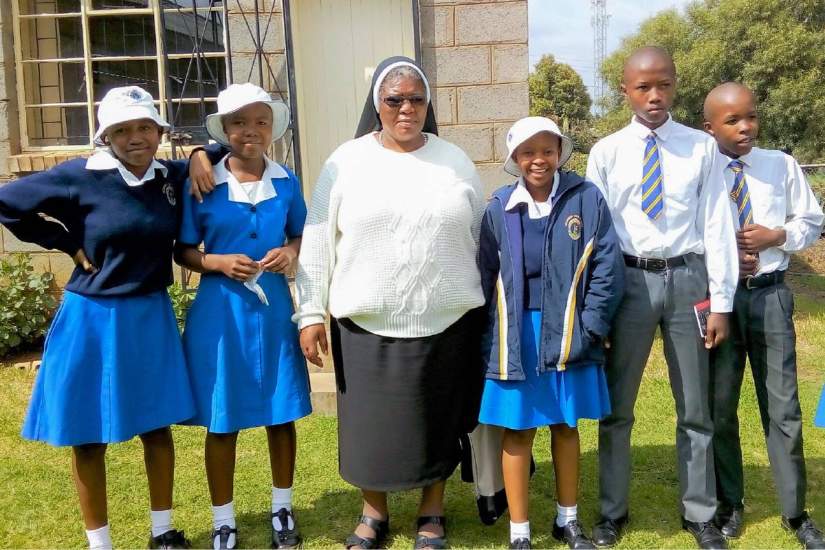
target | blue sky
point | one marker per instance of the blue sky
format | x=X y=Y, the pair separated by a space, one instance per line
x=562 y=28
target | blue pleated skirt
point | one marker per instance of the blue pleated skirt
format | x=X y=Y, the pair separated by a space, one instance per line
x=112 y=369
x=553 y=397
x=819 y=419
x=244 y=359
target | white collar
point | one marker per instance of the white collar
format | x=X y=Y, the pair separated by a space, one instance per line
x=265 y=190
x=662 y=132
x=535 y=209
x=103 y=159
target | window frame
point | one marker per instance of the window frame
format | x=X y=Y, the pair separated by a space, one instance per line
x=86 y=14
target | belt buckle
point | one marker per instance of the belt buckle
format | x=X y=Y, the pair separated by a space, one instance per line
x=748 y=280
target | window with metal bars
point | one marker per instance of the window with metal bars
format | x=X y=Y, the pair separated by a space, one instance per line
x=69 y=53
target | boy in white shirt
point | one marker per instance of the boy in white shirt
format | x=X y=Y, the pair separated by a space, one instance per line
x=777 y=214
x=679 y=245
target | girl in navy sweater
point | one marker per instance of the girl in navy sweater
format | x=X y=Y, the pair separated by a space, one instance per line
x=112 y=365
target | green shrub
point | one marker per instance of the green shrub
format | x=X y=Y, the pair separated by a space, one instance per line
x=181 y=300
x=26 y=307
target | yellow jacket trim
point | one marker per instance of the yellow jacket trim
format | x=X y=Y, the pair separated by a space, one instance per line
x=570 y=310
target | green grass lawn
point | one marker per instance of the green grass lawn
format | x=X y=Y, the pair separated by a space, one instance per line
x=40 y=509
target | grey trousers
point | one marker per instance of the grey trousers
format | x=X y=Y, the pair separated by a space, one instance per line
x=664 y=300
x=762 y=329
x=486 y=445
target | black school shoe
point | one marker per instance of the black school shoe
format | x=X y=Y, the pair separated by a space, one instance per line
x=730 y=521
x=573 y=534
x=170 y=539
x=806 y=531
x=607 y=532
x=285 y=537
x=706 y=533
x=520 y=544
x=222 y=535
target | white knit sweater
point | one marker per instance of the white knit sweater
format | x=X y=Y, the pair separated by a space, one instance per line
x=391 y=239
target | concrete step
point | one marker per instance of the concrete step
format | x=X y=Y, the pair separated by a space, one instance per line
x=323 y=393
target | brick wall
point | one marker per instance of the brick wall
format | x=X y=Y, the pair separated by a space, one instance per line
x=475 y=53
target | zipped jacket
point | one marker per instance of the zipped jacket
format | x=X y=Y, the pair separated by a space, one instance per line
x=582 y=280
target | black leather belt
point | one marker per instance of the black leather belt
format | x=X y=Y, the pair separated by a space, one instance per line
x=654 y=264
x=761 y=281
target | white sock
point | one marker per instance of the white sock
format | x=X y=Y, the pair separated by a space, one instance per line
x=566 y=514
x=281 y=498
x=224 y=515
x=519 y=531
x=161 y=521
x=99 y=539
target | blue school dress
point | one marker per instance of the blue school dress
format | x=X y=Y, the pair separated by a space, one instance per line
x=113 y=363
x=244 y=359
x=552 y=397
x=819 y=419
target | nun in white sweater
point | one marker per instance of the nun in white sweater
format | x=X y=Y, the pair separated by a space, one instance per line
x=389 y=253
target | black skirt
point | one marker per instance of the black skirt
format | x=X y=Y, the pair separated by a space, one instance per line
x=404 y=403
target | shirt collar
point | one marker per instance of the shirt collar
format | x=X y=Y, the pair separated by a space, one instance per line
x=642 y=131
x=535 y=209
x=264 y=191
x=747 y=160
x=105 y=160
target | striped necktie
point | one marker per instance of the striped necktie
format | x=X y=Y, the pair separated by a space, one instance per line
x=740 y=194
x=652 y=185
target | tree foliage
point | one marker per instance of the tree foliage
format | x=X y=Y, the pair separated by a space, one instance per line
x=558 y=92
x=775 y=47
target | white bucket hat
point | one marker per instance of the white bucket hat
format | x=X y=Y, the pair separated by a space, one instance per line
x=236 y=97
x=526 y=128
x=122 y=105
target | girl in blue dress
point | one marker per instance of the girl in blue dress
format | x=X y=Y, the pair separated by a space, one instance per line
x=240 y=343
x=113 y=364
x=552 y=273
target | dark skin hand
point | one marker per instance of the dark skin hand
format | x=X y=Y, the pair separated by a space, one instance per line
x=717 y=330
x=754 y=238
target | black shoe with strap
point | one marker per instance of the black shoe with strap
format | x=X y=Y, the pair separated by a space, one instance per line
x=607 y=532
x=170 y=539
x=423 y=541
x=706 y=533
x=381 y=528
x=222 y=535
x=520 y=544
x=285 y=537
x=806 y=531
x=573 y=534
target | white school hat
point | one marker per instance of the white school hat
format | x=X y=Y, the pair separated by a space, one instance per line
x=527 y=127
x=124 y=104
x=236 y=97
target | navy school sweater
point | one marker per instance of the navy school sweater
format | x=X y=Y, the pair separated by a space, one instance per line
x=127 y=232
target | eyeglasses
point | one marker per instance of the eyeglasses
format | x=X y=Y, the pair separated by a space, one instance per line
x=396 y=101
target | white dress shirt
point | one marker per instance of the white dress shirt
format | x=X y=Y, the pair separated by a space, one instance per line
x=780 y=197
x=104 y=159
x=696 y=217
x=535 y=209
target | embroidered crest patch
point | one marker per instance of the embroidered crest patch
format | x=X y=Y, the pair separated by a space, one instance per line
x=574 y=226
x=134 y=94
x=169 y=192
